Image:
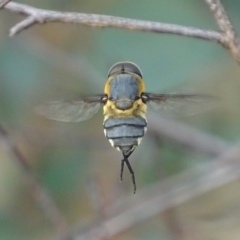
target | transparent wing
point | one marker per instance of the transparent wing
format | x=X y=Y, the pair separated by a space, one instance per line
x=71 y=111
x=181 y=104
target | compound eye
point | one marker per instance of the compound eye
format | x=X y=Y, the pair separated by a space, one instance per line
x=124 y=67
x=104 y=99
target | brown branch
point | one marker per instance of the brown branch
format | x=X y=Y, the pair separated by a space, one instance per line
x=40 y=16
x=180 y=188
x=40 y=194
x=227 y=38
x=4 y=3
x=230 y=37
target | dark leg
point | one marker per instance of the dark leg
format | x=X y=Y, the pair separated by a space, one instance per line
x=132 y=173
x=122 y=167
x=126 y=155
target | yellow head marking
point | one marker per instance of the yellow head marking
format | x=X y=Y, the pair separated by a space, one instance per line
x=138 y=109
x=107 y=85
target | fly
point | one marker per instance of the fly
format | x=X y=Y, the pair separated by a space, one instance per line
x=124 y=103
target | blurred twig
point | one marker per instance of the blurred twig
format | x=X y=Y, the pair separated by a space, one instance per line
x=40 y=16
x=229 y=34
x=40 y=194
x=170 y=216
x=186 y=135
x=180 y=188
x=4 y=3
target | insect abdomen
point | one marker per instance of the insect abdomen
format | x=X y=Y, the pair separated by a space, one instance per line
x=125 y=133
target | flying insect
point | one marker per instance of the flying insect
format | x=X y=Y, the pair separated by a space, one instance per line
x=124 y=103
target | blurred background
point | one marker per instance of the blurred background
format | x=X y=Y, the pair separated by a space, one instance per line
x=74 y=161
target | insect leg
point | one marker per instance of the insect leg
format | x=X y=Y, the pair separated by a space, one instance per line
x=122 y=167
x=125 y=155
x=132 y=173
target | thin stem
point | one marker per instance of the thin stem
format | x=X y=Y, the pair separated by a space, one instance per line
x=40 y=194
x=4 y=3
x=95 y=20
x=230 y=37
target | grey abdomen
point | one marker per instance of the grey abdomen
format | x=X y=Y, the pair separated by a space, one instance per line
x=125 y=133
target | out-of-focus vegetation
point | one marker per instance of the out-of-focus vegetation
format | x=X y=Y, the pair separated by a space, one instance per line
x=74 y=161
